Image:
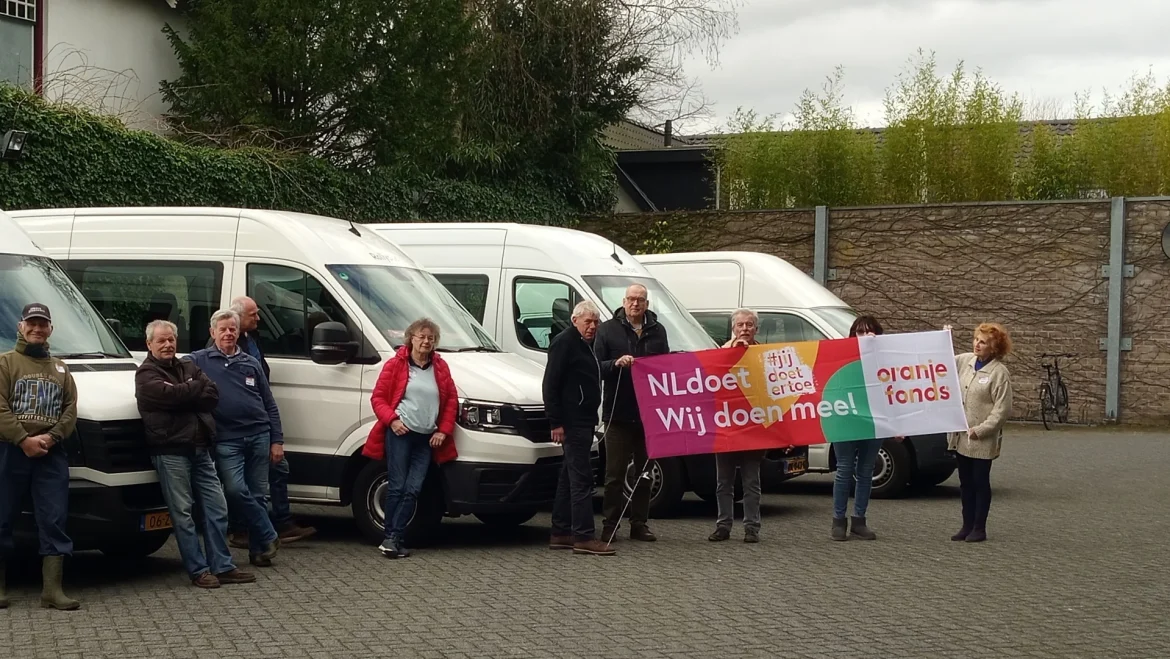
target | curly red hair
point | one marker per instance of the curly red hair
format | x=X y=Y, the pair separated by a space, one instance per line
x=998 y=339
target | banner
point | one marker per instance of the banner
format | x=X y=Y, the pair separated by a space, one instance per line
x=796 y=394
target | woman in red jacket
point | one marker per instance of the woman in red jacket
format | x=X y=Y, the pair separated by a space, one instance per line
x=415 y=401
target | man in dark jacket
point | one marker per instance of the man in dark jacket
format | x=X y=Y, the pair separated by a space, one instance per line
x=38 y=411
x=176 y=401
x=572 y=393
x=281 y=513
x=633 y=331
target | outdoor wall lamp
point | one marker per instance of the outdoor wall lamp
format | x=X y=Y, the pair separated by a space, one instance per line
x=12 y=145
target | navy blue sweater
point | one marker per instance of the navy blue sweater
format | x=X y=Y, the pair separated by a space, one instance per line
x=246 y=406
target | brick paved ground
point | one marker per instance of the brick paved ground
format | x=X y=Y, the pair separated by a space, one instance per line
x=1077 y=566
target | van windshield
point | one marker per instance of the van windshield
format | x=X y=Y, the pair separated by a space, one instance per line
x=78 y=330
x=682 y=330
x=839 y=318
x=393 y=298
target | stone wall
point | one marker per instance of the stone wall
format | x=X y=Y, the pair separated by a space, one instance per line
x=1034 y=267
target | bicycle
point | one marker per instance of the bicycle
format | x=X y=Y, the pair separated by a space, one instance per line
x=1053 y=393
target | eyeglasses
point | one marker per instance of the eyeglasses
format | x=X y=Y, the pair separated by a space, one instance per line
x=636 y=300
x=425 y=338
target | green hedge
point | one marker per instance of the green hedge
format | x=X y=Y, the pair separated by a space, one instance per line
x=77 y=159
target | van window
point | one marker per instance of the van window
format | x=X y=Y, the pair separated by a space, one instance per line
x=716 y=324
x=786 y=328
x=541 y=309
x=292 y=302
x=136 y=292
x=470 y=290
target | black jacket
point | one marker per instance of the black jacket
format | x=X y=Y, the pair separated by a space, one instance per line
x=615 y=338
x=572 y=382
x=176 y=402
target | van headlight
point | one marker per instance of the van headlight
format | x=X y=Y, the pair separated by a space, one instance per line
x=489 y=417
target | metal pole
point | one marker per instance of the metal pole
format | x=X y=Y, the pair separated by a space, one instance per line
x=1116 y=284
x=821 y=246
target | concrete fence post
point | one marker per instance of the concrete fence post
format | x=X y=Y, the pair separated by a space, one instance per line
x=821 y=246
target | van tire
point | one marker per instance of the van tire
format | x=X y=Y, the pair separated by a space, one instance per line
x=892 y=471
x=367 y=506
x=139 y=545
x=667 y=482
x=505 y=520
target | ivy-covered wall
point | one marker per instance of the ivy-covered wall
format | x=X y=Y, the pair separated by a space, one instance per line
x=76 y=159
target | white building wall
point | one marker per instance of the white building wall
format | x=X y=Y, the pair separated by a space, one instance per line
x=110 y=56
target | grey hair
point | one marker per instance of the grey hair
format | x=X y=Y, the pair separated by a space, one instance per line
x=586 y=308
x=225 y=314
x=156 y=325
x=743 y=311
x=238 y=304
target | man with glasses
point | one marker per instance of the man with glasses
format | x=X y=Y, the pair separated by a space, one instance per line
x=634 y=331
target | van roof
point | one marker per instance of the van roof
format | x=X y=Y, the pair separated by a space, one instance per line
x=532 y=246
x=767 y=281
x=253 y=232
x=14 y=239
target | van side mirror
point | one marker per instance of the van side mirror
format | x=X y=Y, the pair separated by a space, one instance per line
x=331 y=344
x=115 y=325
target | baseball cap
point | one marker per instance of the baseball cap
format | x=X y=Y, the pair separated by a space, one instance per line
x=36 y=310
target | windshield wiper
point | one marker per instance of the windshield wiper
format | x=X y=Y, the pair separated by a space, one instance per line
x=89 y=355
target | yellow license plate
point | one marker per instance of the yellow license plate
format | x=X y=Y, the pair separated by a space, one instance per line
x=796 y=466
x=156 y=521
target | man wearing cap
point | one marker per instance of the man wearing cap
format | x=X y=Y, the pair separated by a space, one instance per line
x=38 y=410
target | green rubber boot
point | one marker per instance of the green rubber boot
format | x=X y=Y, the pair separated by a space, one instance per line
x=52 y=597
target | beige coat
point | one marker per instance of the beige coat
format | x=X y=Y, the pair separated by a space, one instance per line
x=987 y=400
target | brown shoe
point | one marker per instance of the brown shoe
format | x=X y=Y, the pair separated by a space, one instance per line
x=608 y=534
x=238 y=540
x=236 y=576
x=292 y=532
x=206 y=580
x=642 y=533
x=560 y=542
x=593 y=548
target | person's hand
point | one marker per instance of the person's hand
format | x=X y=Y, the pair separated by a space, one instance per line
x=898 y=438
x=624 y=361
x=398 y=427
x=34 y=446
x=558 y=435
x=948 y=327
x=437 y=439
x=276 y=453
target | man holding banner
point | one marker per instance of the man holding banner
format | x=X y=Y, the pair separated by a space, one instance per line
x=744 y=325
x=634 y=331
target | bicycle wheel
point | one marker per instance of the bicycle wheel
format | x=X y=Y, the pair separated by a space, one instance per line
x=1047 y=404
x=1061 y=402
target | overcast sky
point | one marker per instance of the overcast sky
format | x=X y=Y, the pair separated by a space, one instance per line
x=1047 y=50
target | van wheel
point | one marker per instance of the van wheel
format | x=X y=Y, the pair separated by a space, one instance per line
x=891 y=470
x=135 y=546
x=369 y=496
x=665 y=482
x=504 y=520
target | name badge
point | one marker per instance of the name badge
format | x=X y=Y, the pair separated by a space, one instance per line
x=251 y=382
x=985 y=379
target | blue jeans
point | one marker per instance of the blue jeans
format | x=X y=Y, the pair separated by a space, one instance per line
x=854 y=462
x=243 y=469
x=185 y=479
x=407 y=459
x=48 y=479
x=280 y=510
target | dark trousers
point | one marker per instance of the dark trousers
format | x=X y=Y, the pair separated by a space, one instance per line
x=625 y=441
x=975 y=489
x=47 y=478
x=573 y=510
x=408 y=457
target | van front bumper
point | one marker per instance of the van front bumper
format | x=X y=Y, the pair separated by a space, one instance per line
x=98 y=514
x=486 y=487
